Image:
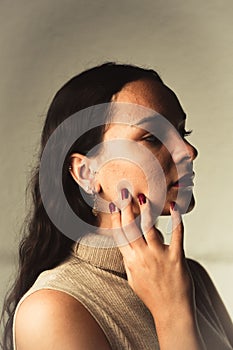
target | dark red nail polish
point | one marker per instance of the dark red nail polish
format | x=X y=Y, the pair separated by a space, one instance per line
x=142 y=198
x=112 y=207
x=173 y=206
x=124 y=193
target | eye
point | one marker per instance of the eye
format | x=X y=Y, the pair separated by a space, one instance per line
x=151 y=139
x=185 y=133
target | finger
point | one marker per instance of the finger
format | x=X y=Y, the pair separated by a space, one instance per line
x=148 y=219
x=177 y=239
x=116 y=230
x=129 y=223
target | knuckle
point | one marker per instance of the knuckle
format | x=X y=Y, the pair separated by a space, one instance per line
x=130 y=263
x=127 y=210
x=115 y=217
x=176 y=258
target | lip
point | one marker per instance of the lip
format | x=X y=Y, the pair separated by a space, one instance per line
x=185 y=181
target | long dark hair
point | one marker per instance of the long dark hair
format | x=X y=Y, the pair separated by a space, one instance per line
x=43 y=246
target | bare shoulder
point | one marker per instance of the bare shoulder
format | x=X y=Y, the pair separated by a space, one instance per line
x=49 y=319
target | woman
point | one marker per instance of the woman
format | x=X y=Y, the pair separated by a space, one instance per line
x=118 y=286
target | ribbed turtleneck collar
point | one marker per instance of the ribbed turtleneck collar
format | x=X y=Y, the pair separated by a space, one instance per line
x=100 y=251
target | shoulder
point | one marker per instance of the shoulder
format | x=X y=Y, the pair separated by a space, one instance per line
x=201 y=276
x=49 y=319
x=198 y=272
x=197 y=268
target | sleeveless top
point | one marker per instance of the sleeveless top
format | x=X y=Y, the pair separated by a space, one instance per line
x=96 y=277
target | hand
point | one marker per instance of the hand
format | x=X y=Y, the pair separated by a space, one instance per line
x=157 y=273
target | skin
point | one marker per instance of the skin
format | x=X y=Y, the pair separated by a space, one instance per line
x=157 y=97
x=150 y=265
x=160 y=98
x=50 y=319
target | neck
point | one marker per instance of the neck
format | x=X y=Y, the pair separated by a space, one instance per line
x=105 y=220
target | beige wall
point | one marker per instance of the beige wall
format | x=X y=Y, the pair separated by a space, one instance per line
x=190 y=43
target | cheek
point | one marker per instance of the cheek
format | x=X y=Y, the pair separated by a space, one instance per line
x=167 y=164
x=118 y=174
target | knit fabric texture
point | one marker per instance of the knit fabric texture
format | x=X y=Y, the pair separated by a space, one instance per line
x=94 y=274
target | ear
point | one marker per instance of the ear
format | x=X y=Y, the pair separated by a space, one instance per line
x=81 y=169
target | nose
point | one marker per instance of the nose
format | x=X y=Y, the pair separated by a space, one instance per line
x=192 y=150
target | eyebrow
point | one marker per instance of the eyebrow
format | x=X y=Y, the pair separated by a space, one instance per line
x=146 y=119
x=152 y=117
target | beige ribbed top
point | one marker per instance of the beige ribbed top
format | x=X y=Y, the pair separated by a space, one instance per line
x=96 y=277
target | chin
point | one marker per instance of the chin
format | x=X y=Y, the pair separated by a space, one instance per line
x=184 y=206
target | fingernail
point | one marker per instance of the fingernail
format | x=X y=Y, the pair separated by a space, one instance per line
x=173 y=206
x=112 y=207
x=142 y=198
x=124 y=193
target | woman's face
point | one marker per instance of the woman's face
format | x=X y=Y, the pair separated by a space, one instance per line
x=161 y=184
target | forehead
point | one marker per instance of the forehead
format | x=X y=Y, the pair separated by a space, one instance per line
x=150 y=94
x=156 y=97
